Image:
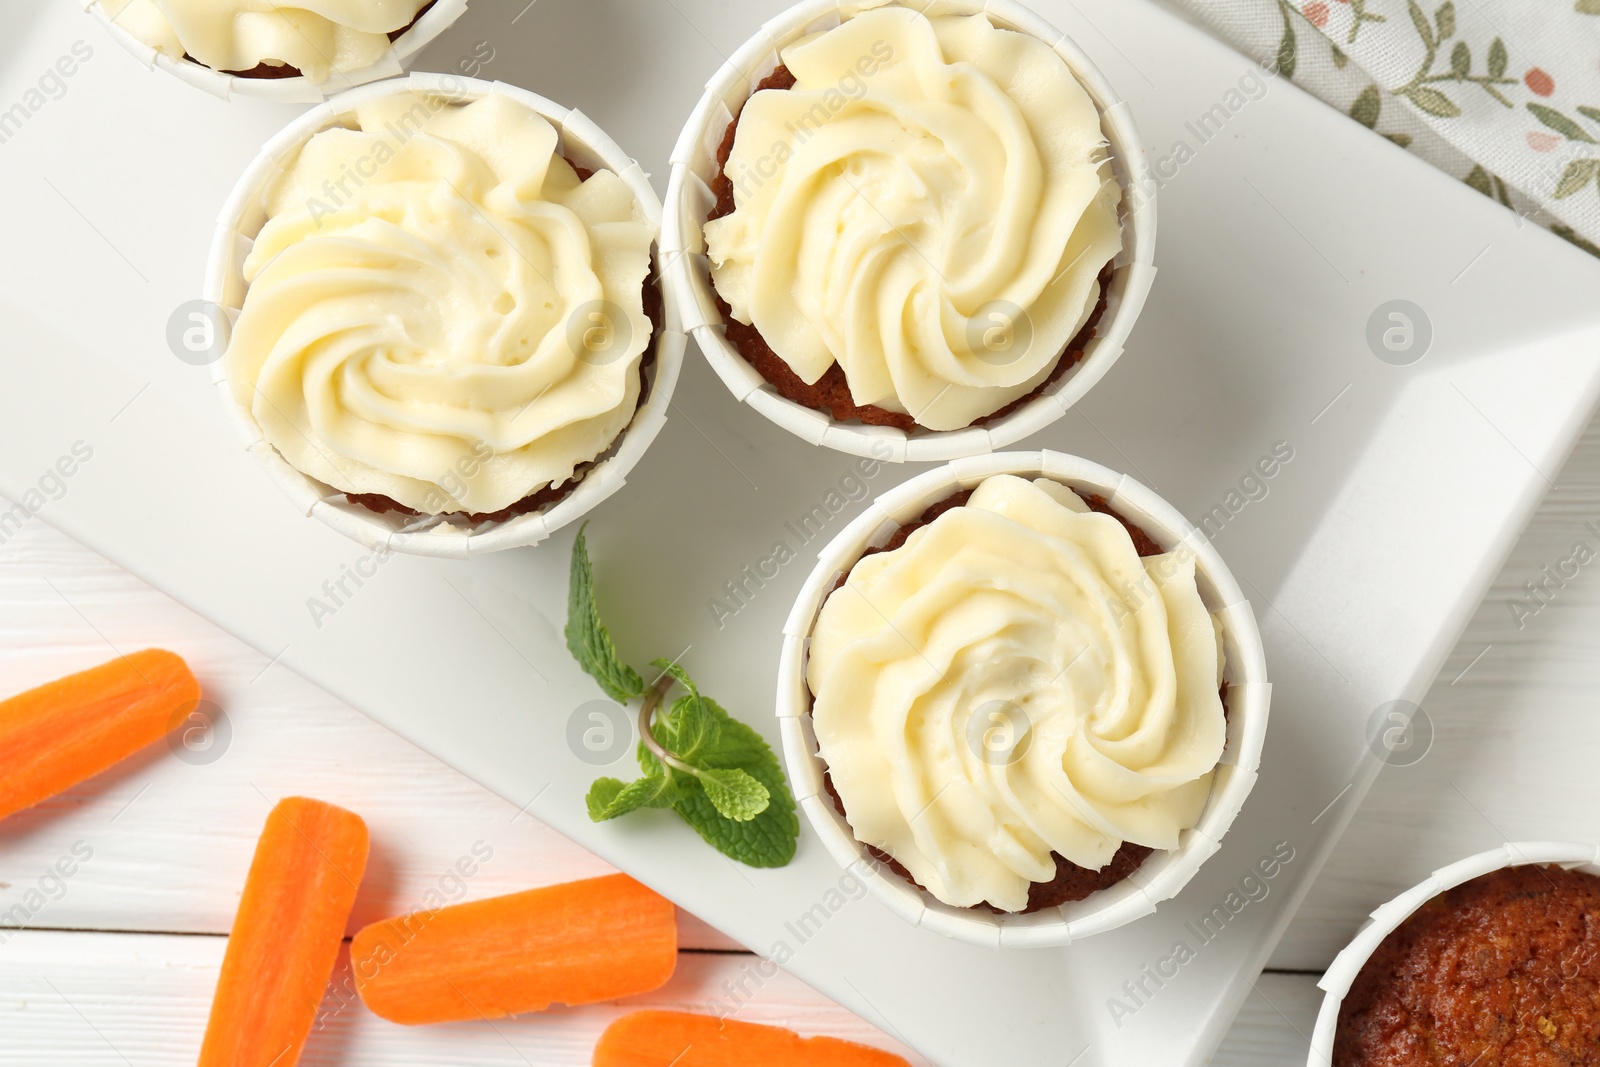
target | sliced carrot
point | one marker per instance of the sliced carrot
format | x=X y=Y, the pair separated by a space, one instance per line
x=577 y=943
x=286 y=935
x=55 y=736
x=679 y=1039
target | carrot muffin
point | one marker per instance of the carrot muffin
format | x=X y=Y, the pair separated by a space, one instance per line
x=442 y=314
x=915 y=219
x=269 y=38
x=1021 y=699
x=1503 y=970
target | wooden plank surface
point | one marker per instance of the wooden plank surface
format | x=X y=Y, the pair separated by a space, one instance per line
x=1516 y=727
x=143 y=999
x=110 y=970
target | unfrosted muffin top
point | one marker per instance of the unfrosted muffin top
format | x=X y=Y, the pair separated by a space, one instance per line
x=1502 y=970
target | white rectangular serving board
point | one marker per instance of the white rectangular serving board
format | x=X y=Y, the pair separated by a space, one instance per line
x=1278 y=239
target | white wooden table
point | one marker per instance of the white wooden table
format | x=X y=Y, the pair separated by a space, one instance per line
x=116 y=965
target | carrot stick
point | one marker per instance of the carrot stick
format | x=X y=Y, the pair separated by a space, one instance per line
x=55 y=736
x=286 y=935
x=679 y=1039
x=577 y=943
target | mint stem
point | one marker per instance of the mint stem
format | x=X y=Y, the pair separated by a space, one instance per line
x=647 y=712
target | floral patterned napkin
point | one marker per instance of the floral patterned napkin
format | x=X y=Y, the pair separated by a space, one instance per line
x=1504 y=94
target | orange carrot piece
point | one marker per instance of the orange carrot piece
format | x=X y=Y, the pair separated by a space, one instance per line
x=55 y=736
x=577 y=943
x=679 y=1039
x=286 y=935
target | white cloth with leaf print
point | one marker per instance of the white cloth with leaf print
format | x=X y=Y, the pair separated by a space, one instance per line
x=1504 y=94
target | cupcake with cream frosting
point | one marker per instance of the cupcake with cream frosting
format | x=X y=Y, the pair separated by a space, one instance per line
x=446 y=319
x=1017 y=700
x=915 y=220
x=1005 y=671
x=290 y=50
x=269 y=38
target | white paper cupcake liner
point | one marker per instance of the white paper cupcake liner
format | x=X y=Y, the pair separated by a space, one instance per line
x=1164 y=873
x=1341 y=974
x=301 y=90
x=689 y=201
x=242 y=218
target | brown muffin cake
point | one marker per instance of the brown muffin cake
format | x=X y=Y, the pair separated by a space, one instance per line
x=1502 y=971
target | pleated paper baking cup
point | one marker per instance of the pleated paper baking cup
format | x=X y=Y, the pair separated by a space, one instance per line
x=299 y=90
x=1341 y=974
x=242 y=218
x=690 y=201
x=1164 y=873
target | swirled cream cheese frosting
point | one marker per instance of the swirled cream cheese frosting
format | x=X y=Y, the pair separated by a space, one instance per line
x=929 y=207
x=318 y=37
x=438 y=309
x=1015 y=681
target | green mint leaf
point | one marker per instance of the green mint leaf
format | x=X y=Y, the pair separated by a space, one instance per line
x=602 y=798
x=770 y=838
x=647 y=759
x=734 y=793
x=690 y=725
x=587 y=638
x=674 y=668
x=736 y=797
x=608 y=798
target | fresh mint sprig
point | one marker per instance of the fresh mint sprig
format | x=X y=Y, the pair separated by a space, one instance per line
x=715 y=771
x=587 y=638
